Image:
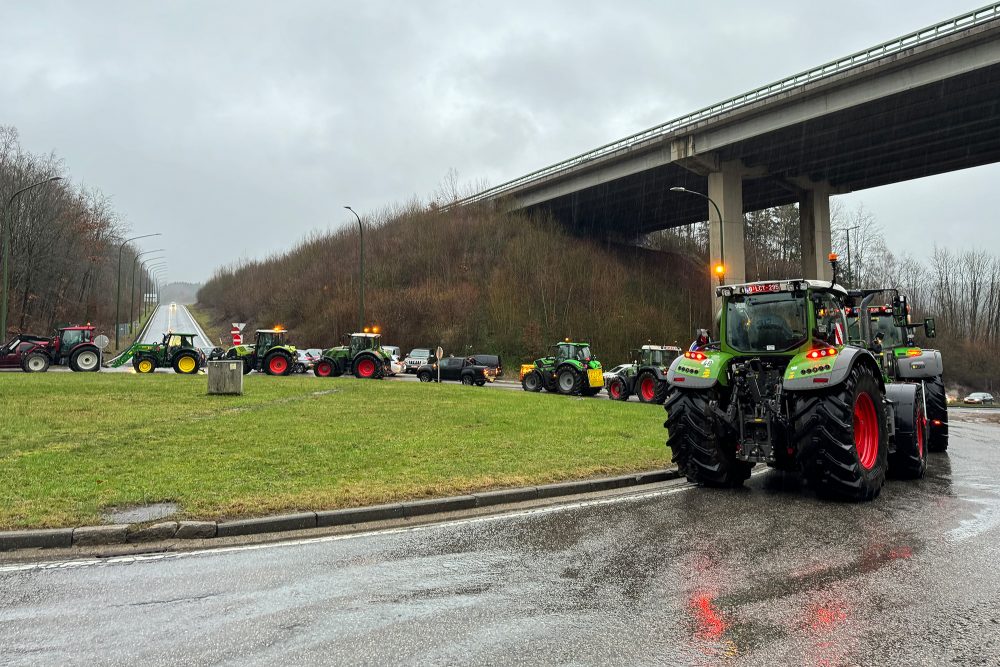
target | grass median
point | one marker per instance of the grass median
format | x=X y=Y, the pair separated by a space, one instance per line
x=74 y=444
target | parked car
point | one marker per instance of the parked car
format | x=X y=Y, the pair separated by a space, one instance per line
x=392 y=351
x=417 y=358
x=978 y=398
x=457 y=369
x=491 y=360
x=620 y=368
x=306 y=360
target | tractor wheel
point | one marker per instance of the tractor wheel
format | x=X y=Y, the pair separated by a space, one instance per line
x=36 y=362
x=649 y=389
x=85 y=360
x=937 y=415
x=569 y=382
x=532 y=381
x=424 y=376
x=550 y=385
x=909 y=461
x=144 y=365
x=700 y=453
x=186 y=363
x=617 y=389
x=247 y=367
x=367 y=368
x=590 y=391
x=841 y=437
x=278 y=363
x=324 y=368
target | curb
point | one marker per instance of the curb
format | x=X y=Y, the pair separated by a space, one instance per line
x=182 y=530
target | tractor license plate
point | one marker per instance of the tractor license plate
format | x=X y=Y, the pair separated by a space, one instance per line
x=596 y=377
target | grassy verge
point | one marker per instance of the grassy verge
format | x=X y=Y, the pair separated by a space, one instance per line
x=72 y=444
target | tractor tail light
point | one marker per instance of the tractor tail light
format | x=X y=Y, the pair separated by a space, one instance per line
x=821 y=353
x=697 y=356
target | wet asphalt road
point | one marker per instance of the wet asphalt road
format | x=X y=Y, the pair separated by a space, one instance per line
x=173 y=317
x=763 y=575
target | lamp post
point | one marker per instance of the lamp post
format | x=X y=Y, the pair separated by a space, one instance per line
x=720 y=268
x=118 y=289
x=148 y=273
x=6 y=248
x=850 y=272
x=131 y=284
x=158 y=276
x=361 y=305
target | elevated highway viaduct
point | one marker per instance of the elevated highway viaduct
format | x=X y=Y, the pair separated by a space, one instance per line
x=922 y=104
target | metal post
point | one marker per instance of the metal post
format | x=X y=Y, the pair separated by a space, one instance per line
x=6 y=250
x=722 y=231
x=361 y=305
x=118 y=289
x=150 y=273
x=850 y=271
x=131 y=309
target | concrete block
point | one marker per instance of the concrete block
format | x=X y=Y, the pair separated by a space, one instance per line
x=505 y=496
x=434 y=505
x=225 y=377
x=267 y=524
x=195 y=530
x=36 y=539
x=353 y=515
x=87 y=536
x=158 y=531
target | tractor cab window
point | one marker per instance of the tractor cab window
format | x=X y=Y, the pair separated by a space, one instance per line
x=657 y=357
x=765 y=322
x=831 y=323
x=892 y=336
x=266 y=340
x=575 y=352
x=71 y=337
x=174 y=341
x=359 y=343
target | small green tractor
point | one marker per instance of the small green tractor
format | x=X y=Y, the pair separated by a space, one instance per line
x=571 y=370
x=175 y=350
x=646 y=377
x=362 y=355
x=269 y=353
x=782 y=387
x=903 y=360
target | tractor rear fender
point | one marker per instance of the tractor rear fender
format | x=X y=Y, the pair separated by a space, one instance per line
x=699 y=374
x=927 y=364
x=901 y=398
x=803 y=374
x=571 y=363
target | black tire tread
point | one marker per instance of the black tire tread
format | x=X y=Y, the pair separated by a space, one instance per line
x=695 y=444
x=937 y=408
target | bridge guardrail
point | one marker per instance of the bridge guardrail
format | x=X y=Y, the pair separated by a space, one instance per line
x=943 y=29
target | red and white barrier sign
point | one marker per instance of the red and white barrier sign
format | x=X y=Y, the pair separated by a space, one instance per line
x=236 y=331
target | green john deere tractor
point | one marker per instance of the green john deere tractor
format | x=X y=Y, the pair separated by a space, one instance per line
x=781 y=387
x=646 y=377
x=175 y=350
x=362 y=355
x=269 y=353
x=902 y=359
x=571 y=369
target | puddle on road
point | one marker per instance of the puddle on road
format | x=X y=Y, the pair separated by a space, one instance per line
x=140 y=514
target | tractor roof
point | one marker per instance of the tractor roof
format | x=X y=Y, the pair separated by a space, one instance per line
x=77 y=328
x=567 y=342
x=774 y=286
x=671 y=348
x=179 y=333
x=366 y=335
x=272 y=330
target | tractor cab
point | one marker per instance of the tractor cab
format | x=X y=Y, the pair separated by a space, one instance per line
x=571 y=351
x=268 y=338
x=657 y=355
x=70 y=337
x=175 y=341
x=364 y=341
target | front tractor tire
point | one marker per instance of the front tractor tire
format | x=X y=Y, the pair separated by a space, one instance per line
x=35 y=362
x=841 y=437
x=532 y=381
x=367 y=367
x=326 y=368
x=87 y=360
x=649 y=389
x=144 y=365
x=278 y=363
x=701 y=454
x=937 y=415
x=617 y=389
x=569 y=381
x=185 y=363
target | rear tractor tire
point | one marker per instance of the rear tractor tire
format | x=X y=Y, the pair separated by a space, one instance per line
x=698 y=450
x=186 y=363
x=278 y=363
x=87 y=360
x=617 y=389
x=367 y=368
x=937 y=415
x=909 y=461
x=35 y=362
x=532 y=381
x=841 y=437
x=569 y=381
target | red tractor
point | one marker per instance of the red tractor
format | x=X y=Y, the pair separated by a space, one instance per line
x=76 y=347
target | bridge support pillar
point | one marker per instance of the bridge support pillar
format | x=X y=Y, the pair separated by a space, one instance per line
x=814 y=228
x=725 y=188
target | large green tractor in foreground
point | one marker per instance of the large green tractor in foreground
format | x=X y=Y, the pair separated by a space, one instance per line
x=362 y=355
x=571 y=370
x=175 y=350
x=781 y=387
x=269 y=353
x=903 y=360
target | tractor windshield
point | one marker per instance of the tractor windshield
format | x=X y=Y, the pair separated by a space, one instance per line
x=883 y=324
x=571 y=351
x=71 y=337
x=765 y=322
x=659 y=357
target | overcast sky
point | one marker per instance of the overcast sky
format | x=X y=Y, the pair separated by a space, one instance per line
x=237 y=127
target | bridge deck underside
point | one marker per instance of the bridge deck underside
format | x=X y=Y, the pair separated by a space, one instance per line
x=953 y=124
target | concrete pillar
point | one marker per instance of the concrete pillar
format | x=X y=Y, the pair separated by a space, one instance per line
x=814 y=228
x=725 y=188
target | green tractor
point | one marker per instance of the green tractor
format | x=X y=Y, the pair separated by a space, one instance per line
x=269 y=353
x=175 y=350
x=782 y=387
x=902 y=359
x=570 y=370
x=646 y=377
x=362 y=355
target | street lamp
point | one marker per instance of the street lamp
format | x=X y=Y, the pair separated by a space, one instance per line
x=132 y=284
x=6 y=248
x=118 y=297
x=148 y=273
x=720 y=268
x=361 y=305
x=849 y=271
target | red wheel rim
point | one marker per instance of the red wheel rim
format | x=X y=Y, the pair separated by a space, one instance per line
x=278 y=364
x=648 y=388
x=323 y=369
x=921 y=426
x=366 y=368
x=865 y=431
x=614 y=390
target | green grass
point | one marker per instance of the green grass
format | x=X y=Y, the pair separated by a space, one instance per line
x=73 y=444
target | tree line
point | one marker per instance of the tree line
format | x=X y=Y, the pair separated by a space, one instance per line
x=64 y=246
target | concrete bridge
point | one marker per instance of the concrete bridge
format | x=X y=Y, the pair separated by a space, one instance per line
x=922 y=104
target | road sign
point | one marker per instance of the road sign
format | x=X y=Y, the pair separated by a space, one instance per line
x=235 y=331
x=439 y=353
x=101 y=341
x=239 y=326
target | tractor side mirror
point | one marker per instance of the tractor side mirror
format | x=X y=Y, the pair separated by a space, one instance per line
x=929 y=329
